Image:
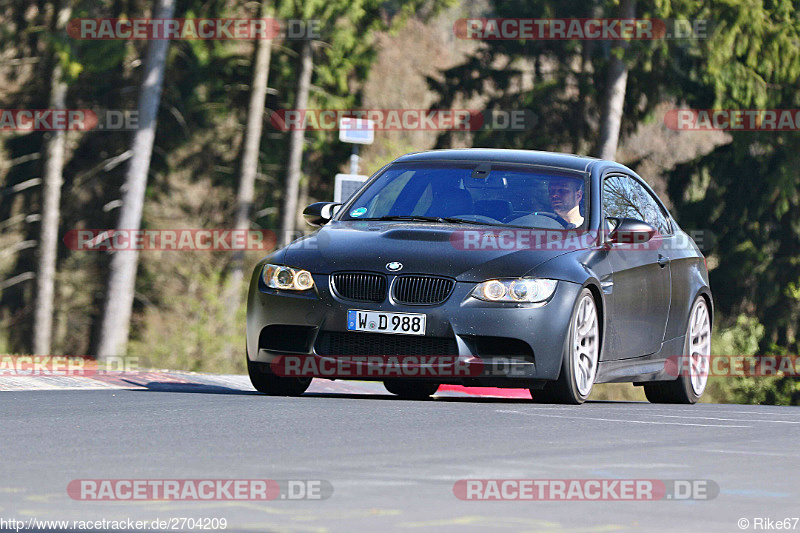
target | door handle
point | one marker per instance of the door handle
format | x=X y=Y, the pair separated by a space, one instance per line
x=663 y=260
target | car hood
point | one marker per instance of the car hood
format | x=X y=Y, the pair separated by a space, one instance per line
x=429 y=248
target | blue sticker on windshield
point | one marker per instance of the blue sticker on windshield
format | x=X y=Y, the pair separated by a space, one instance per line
x=358 y=212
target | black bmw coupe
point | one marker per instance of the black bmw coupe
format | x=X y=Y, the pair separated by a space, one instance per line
x=502 y=268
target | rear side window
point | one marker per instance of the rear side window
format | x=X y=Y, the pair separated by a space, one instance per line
x=624 y=197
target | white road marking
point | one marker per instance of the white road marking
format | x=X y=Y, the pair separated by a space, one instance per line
x=762 y=414
x=749 y=452
x=699 y=408
x=728 y=419
x=624 y=420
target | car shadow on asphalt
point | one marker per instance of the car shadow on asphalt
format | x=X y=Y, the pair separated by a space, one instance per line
x=203 y=388
x=194 y=388
x=458 y=399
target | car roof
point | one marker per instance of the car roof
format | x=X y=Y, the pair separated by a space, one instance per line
x=530 y=157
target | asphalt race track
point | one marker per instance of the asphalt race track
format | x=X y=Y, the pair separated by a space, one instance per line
x=392 y=463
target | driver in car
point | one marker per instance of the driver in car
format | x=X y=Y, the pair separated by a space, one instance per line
x=566 y=196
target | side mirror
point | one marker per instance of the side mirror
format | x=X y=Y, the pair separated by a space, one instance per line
x=320 y=213
x=631 y=231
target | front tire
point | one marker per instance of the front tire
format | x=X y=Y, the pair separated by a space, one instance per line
x=580 y=357
x=691 y=382
x=411 y=390
x=268 y=383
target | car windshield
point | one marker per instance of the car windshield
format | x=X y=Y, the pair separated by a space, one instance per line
x=492 y=194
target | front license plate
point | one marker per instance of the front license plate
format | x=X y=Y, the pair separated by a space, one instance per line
x=377 y=322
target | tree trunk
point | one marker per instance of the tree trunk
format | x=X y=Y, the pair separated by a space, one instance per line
x=51 y=200
x=296 y=140
x=615 y=91
x=249 y=165
x=302 y=198
x=115 y=326
x=580 y=132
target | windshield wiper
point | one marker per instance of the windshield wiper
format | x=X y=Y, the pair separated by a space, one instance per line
x=421 y=218
x=456 y=220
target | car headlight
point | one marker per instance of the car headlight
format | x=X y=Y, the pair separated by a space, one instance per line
x=286 y=278
x=520 y=290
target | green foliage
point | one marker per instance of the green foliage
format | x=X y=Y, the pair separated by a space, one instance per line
x=751 y=201
x=739 y=339
x=765 y=391
x=194 y=330
x=743 y=339
x=568 y=119
x=753 y=54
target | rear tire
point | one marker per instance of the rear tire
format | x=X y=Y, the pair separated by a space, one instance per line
x=411 y=390
x=580 y=356
x=693 y=373
x=268 y=383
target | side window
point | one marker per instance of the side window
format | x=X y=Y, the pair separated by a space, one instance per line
x=624 y=197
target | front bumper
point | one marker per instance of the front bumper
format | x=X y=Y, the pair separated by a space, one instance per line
x=513 y=344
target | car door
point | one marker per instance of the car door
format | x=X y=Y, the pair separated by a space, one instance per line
x=641 y=284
